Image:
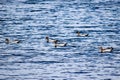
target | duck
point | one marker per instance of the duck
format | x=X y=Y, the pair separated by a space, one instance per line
x=7 y=41
x=82 y=35
x=60 y=44
x=108 y=49
x=50 y=40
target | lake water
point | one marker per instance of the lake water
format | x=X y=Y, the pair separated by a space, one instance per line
x=34 y=59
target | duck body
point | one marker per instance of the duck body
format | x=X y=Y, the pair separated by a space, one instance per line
x=81 y=35
x=50 y=40
x=59 y=44
x=16 y=41
x=103 y=50
x=7 y=41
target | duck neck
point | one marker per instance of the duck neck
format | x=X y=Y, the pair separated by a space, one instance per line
x=101 y=49
x=47 y=39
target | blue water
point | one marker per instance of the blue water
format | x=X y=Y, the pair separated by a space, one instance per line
x=33 y=59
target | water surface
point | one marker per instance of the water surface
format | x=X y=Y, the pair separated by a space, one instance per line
x=33 y=59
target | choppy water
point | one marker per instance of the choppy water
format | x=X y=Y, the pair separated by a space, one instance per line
x=33 y=59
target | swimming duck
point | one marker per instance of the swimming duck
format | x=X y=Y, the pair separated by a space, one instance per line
x=60 y=44
x=82 y=35
x=7 y=41
x=109 y=49
x=50 y=40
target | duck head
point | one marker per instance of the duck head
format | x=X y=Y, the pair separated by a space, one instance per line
x=47 y=38
x=7 y=40
x=77 y=32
